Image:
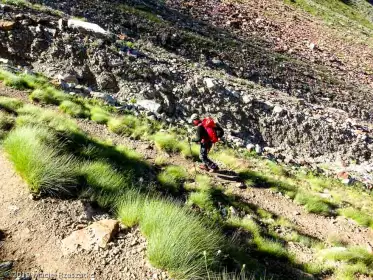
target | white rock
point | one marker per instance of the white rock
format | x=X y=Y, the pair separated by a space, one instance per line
x=250 y=147
x=209 y=83
x=278 y=110
x=104 y=96
x=84 y=26
x=258 y=149
x=150 y=105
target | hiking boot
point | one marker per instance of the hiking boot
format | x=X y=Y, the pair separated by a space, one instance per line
x=204 y=167
x=215 y=169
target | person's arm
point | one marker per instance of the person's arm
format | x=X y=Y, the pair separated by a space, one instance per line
x=199 y=134
x=219 y=131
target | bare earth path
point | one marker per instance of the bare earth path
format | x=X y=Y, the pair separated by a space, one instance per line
x=30 y=239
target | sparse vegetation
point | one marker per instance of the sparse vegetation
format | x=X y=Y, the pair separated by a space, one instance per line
x=172 y=177
x=314 y=204
x=177 y=239
x=360 y=217
x=99 y=115
x=42 y=166
x=49 y=95
x=73 y=109
x=166 y=142
x=10 y=105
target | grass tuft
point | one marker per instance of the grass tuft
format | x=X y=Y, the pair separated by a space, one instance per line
x=360 y=217
x=6 y=121
x=41 y=166
x=177 y=239
x=166 y=142
x=124 y=125
x=99 y=115
x=189 y=152
x=101 y=176
x=10 y=105
x=73 y=109
x=313 y=203
x=49 y=95
x=201 y=199
x=173 y=177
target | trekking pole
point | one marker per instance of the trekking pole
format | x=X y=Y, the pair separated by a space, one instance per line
x=194 y=164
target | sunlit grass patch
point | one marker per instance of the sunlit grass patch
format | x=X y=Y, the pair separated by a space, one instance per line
x=166 y=142
x=314 y=203
x=99 y=115
x=73 y=109
x=178 y=241
x=101 y=176
x=173 y=177
x=123 y=125
x=201 y=199
x=41 y=166
x=49 y=95
x=360 y=217
x=189 y=150
x=9 y=104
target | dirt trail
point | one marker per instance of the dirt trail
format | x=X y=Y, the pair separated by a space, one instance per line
x=315 y=225
x=30 y=240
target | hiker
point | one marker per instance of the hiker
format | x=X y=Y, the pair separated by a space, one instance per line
x=208 y=133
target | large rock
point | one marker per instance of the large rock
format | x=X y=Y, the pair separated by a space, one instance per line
x=86 y=27
x=150 y=105
x=6 y=25
x=106 y=81
x=105 y=97
x=96 y=235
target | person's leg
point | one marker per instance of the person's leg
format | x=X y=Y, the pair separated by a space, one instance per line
x=203 y=154
x=209 y=162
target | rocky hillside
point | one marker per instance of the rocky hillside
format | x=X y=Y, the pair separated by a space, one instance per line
x=293 y=77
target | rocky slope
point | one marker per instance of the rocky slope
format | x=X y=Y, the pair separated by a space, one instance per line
x=246 y=67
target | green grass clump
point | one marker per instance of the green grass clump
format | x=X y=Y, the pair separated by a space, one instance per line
x=6 y=121
x=41 y=166
x=101 y=176
x=270 y=247
x=22 y=81
x=124 y=125
x=10 y=105
x=277 y=169
x=173 y=177
x=99 y=115
x=246 y=223
x=160 y=160
x=228 y=158
x=49 y=95
x=30 y=114
x=348 y=271
x=178 y=240
x=73 y=109
x=360 y=217
x=336 y=11
x=189 y=152
x=313 y=203
x=166 y=142
x=203 y=182
x=201 y=199
x=352 y=255
x=349 y=261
